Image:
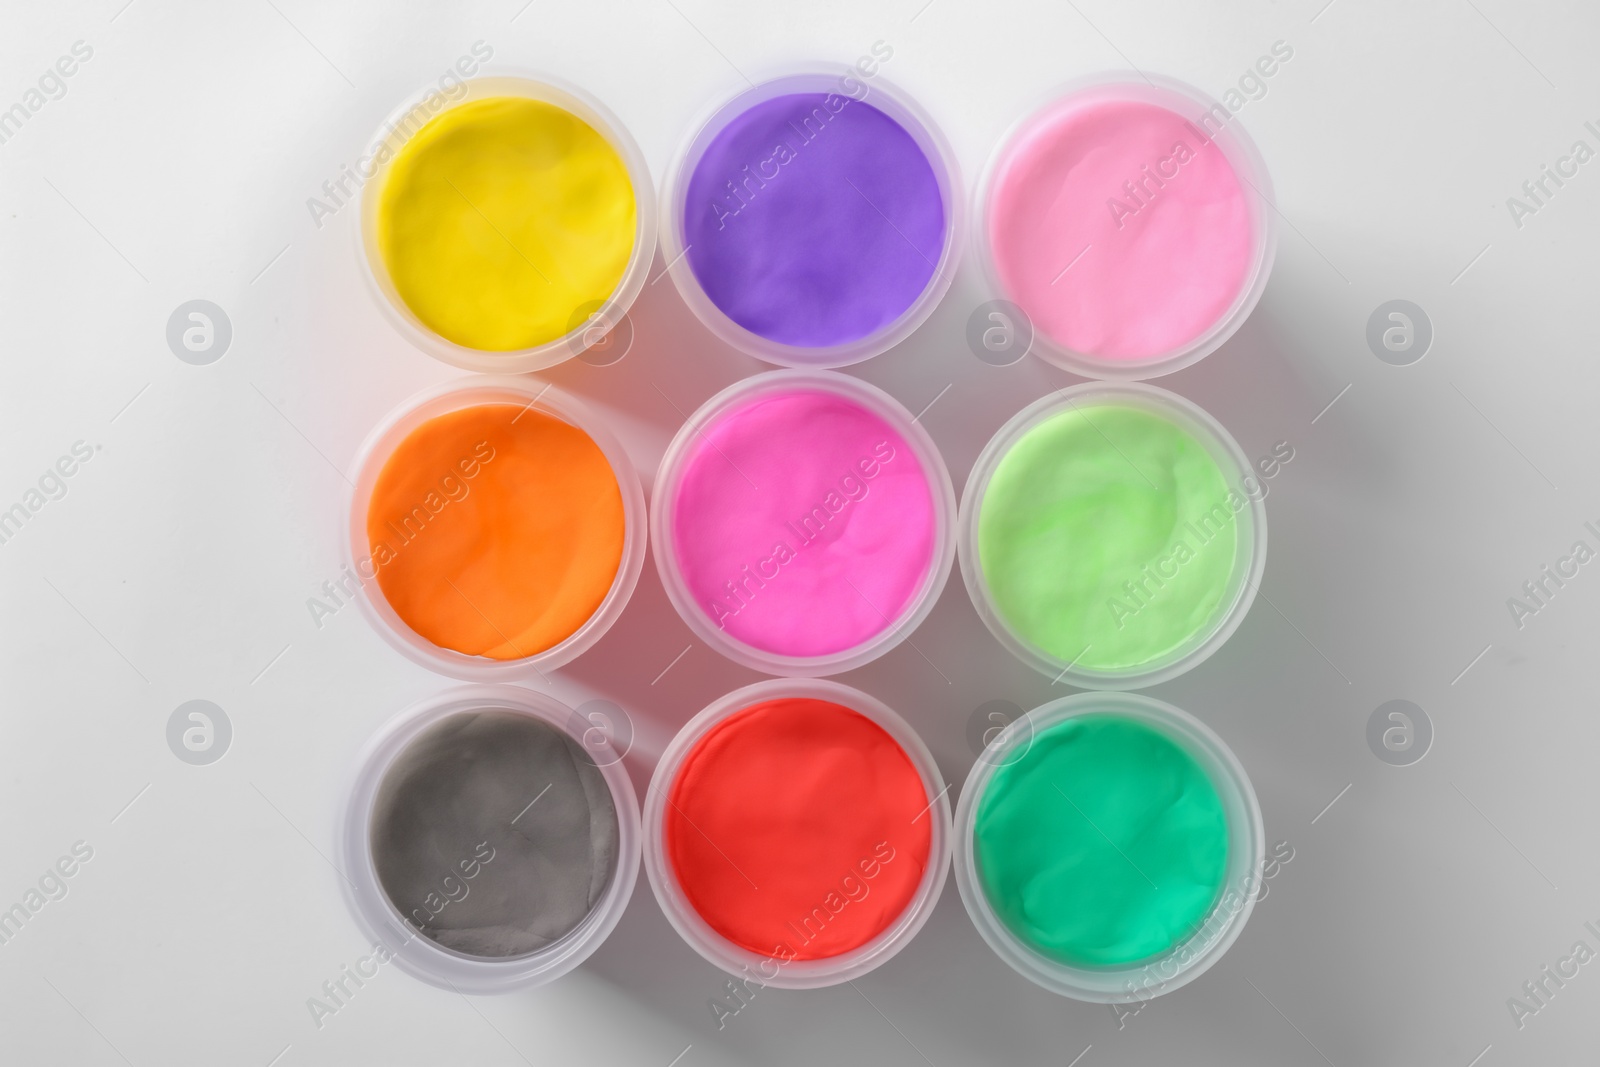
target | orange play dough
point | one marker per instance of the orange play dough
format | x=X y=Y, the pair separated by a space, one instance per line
x=496 y=530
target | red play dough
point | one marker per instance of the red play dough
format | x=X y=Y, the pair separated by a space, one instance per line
x=797 y=828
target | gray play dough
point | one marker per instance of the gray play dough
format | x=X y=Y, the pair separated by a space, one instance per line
x=462 y=855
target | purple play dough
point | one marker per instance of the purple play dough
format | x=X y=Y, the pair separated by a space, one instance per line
x=813 y=219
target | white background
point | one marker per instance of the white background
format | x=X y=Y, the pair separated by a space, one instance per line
x=178 y=565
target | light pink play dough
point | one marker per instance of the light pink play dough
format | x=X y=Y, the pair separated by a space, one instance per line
x=1148 y=213
x=803 y=523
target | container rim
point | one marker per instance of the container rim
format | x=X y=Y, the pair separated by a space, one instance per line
x=377 y=915
x=1236 y=145
x=882 y=95
x=663 y=508
x=1183 y=962
x=772 y=970
x=1250 y=543
x=357 y=556
x=585 y=331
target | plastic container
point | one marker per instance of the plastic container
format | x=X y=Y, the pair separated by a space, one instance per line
x=591 y=324
x=733 y=958
x=453 y=396
x=382 y=921
x=879 y=94
x=1239 y=150
x=1250 y=545
x=663 y=510
x=1184 y=961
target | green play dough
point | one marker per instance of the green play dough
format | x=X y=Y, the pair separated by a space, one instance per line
x=1106 y=537
x=1104 y=845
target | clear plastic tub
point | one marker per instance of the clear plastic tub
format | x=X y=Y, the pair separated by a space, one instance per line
x=770 y=970
x=381 y=920
x=453 y=396
x=897 y=106
x=1250 y=544
x=1237 y=147
x=1184 y=961
x=590 y=325
x=663 y=511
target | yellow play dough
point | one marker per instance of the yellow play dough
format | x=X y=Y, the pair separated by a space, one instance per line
x=500 y=218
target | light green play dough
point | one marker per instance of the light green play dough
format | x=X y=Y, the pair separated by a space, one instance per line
x=1106 y=536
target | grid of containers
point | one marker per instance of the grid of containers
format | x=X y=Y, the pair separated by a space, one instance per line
x=863 y=524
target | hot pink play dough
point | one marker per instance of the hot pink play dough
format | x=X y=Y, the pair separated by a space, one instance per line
x=803 y=523
x=1163 y=216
